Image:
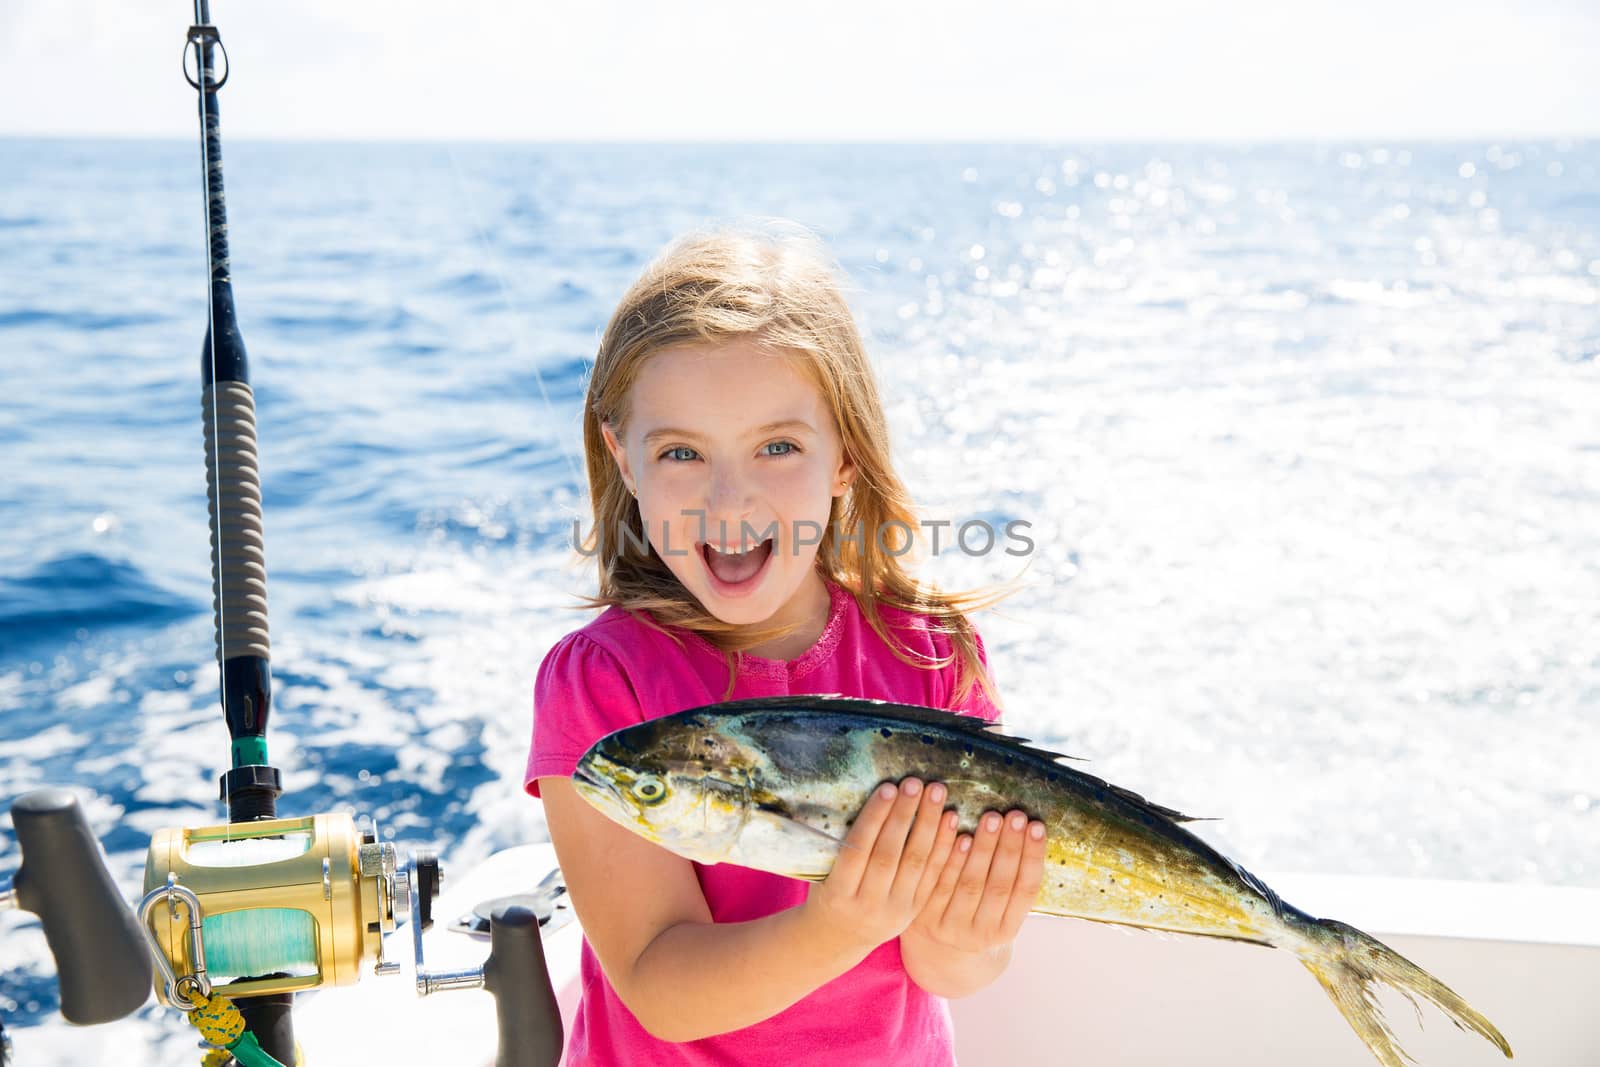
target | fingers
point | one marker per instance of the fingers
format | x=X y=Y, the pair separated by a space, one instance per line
x=944 y=879
x=851 y=863
x=884 y=862
x=990 y=891
x=904 y=855
x=919 y=843
x=1002 y=873
x=1030 y=875
x=968 y=893
x=944 y=847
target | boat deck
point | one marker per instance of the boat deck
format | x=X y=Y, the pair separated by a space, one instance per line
x=1527 y=957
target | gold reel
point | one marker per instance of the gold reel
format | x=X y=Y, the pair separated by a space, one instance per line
x=309 y=897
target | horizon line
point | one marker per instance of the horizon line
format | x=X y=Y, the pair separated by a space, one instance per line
x=1039 y=140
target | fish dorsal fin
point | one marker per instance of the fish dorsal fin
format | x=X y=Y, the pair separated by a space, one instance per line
x=946 y=720
x=882 y=709
x=1160 y=809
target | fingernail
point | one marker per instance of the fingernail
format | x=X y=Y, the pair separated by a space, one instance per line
x=936 y=793
x=911 y=787
x=950 y=819
x=991 y=822
x=1018 y=820
x=1036 y=831
x=886 y=791
x=963 y=844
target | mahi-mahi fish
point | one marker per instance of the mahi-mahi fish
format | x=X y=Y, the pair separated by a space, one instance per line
x=774 y=783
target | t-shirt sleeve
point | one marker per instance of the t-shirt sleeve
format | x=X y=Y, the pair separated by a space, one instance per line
x=581 y=693
x=976 y=702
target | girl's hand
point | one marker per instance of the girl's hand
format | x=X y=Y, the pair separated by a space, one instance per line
x=888 y=866
x=987 y=886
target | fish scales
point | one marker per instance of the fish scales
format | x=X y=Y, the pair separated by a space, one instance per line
x=1108 y=858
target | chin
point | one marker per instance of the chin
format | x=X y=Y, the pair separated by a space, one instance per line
x=775 y=592
x=743 y=611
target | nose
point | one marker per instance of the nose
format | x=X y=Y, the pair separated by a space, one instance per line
x=729 y=503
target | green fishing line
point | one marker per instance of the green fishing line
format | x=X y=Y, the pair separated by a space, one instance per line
x=257 y=941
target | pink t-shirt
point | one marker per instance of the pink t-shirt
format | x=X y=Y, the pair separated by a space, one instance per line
x=617 y=671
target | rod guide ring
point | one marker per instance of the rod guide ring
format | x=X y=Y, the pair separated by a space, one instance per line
x=199 y=35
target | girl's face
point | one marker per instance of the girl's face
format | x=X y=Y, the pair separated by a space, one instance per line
x=730 y=446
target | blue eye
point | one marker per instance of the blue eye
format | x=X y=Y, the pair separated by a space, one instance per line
x=672 y=454
x=789 y=448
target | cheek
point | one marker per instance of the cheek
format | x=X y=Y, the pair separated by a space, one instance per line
x=674 y=822
x=671 y=512
x=803 y=486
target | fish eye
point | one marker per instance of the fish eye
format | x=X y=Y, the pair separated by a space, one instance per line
x=650 y=789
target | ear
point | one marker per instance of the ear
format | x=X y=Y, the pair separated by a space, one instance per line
x=843 y=477
x=618 y=453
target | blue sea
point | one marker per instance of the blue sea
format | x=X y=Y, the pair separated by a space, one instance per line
x=1307 y=437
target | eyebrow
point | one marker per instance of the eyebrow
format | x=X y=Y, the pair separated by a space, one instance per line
x=759 y=431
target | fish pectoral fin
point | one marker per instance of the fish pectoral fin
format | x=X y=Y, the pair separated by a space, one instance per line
x=812 y=830
x=835 y=843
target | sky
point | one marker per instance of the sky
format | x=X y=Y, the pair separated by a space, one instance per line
x=876 y=70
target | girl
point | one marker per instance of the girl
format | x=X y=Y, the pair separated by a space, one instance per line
x=748 y=529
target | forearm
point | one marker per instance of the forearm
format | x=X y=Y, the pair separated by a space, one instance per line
x=949 y=972
x=698 y=979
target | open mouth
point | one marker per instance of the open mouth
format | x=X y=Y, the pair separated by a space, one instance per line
x=734 y=572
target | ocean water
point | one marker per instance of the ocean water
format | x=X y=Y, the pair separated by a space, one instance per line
x=1307 y=438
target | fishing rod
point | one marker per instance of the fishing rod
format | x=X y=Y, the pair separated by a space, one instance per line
x=286 y=905
x=236 y=918
x=251 y=786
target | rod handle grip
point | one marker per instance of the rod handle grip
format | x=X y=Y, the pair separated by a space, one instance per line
x=515 y=972
x=103 y=963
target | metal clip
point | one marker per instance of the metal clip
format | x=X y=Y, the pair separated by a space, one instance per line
x=176 y=985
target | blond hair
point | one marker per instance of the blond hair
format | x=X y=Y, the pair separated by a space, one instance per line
x=778 y=287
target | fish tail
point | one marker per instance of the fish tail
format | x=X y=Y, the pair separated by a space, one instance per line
x=1348 y=962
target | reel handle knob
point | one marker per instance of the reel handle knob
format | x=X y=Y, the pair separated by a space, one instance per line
x=515 y=972
x=103 y=963
x=430 y=877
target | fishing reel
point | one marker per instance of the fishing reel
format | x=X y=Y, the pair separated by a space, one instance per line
x=282 y=905
x=276 y=905
x=287 y=905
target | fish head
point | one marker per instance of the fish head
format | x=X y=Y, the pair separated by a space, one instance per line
x=678 y=781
